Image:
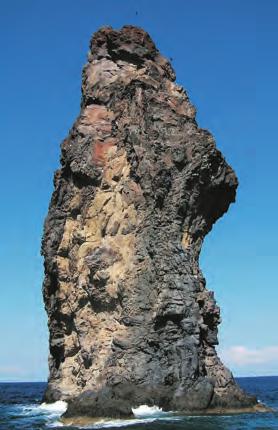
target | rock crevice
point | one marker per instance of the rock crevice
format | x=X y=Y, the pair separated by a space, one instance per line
x=130 y=319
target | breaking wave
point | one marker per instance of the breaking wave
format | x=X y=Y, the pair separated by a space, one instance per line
x=148 y=411
x=58 y=407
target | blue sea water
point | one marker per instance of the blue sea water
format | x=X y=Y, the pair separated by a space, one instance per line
x=20 y=408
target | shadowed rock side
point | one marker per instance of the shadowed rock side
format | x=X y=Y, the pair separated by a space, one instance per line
x=130 y=319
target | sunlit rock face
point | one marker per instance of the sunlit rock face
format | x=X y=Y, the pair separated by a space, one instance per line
x=140 y=185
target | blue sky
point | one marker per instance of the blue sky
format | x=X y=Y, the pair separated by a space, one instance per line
x=224 y=55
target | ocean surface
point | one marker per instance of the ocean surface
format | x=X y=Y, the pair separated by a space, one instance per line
x=21 y=408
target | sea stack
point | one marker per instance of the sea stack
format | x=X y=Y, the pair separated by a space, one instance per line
x=140 y=185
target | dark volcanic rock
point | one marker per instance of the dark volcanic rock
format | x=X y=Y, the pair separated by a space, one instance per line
x=140 y=185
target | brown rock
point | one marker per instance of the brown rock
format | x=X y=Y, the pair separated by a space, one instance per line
x=140 y=185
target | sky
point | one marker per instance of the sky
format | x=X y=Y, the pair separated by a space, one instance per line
x=225 y=55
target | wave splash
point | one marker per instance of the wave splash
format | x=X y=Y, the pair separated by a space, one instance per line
x=58 y=407
x=144 y=411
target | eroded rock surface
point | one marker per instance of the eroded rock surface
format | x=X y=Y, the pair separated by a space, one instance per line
x=131 y=321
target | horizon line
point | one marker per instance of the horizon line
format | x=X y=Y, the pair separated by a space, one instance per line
x=45 y=382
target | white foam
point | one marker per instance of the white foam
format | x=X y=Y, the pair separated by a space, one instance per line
x=120 y=423
x=117 y=423
x=55 y=424
x=147 y=411
x=58 y=407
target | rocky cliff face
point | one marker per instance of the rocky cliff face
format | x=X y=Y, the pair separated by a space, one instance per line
x=130 y=319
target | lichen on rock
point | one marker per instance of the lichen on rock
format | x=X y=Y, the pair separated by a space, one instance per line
x=140 y=185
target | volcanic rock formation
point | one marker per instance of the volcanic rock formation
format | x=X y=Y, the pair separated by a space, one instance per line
x=130 y=319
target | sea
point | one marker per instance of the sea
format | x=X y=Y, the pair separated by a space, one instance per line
x=21 y=408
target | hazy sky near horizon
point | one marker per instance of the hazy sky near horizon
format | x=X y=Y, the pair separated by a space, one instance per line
x=225 y=55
